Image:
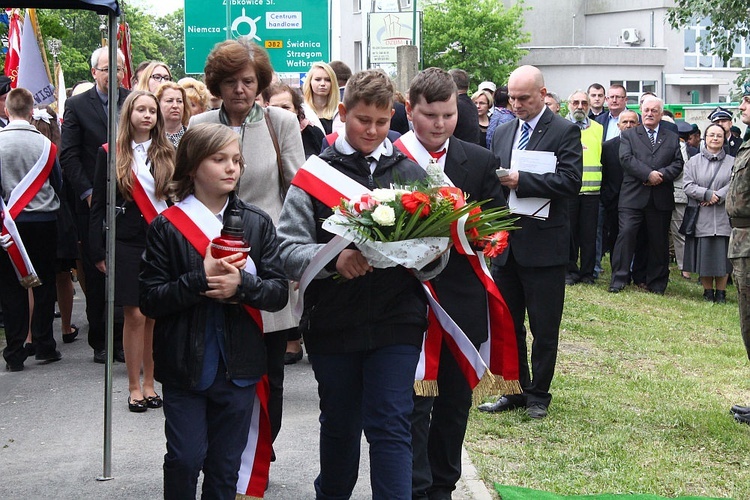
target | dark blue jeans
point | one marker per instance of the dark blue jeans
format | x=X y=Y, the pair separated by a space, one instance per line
x=370 y=391
x=205 y=430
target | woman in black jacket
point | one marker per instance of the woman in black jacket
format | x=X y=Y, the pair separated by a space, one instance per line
x=208 y=342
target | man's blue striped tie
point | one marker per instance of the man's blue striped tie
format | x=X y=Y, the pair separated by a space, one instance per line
x=524 y=141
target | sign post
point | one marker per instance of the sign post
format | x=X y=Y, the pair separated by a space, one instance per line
x=295 y=33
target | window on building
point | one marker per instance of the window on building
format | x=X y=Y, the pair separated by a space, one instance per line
x=357 y=6
x=636 y=87
x=357 y=56
x=699 y=51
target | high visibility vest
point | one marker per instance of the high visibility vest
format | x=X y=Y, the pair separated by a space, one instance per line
x=591 y=140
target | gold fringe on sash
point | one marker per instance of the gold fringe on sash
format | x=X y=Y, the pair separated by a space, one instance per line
x=30 y=281
x=240 y=496
x=426 y=388
x=491 y=385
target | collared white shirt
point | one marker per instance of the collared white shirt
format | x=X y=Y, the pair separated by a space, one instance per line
x=656 y=132
x=612 y=129
x=385 y=148
x=141 y=150
x=532 y=123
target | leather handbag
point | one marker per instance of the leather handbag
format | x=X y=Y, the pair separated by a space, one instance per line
x=689 y=220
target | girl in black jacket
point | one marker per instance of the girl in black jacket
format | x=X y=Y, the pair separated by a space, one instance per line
x=208 y=345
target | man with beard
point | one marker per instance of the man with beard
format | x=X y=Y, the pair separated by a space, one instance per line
x=584 y=208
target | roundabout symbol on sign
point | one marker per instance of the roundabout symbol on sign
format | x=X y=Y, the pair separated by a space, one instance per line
x=244 y=19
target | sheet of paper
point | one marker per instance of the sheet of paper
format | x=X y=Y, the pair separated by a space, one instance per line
x=536 y=162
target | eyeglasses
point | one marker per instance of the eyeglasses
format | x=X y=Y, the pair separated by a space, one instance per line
x=579 y=103
x=120 y=69
x=616 y=97
x=161 y=78
x=714 y=136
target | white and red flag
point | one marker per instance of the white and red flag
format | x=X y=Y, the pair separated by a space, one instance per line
x=14 y=46
x=123 y=43
x=32 y=71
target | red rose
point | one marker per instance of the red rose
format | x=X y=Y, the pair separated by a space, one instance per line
x=415 y=201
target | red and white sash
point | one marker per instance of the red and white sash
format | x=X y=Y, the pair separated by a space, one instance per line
x=329 y=186
x=19 y=198
x=199 y=226
x=144 y=189
x=499 y=352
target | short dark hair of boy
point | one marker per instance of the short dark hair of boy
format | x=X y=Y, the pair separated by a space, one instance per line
x=461 y=78
x=19 y=103
x=432 y=85
x=199 y=142
x=371 y=86
x=343 y=72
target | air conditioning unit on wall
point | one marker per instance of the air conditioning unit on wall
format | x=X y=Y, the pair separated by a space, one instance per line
x=631 y=36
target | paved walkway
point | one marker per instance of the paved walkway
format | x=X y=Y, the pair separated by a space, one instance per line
x=51 y=434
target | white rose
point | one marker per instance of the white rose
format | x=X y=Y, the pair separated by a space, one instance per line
x=384 y=215
x=384 y=195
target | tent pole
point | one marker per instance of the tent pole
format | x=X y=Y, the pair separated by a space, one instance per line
x=110 y=244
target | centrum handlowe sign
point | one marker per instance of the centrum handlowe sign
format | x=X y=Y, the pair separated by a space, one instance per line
x=294 y=32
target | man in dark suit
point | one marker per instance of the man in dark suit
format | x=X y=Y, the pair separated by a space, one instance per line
x=531 y=272
x=467 y=128
x=612 y=180
x=84 y=130
x=651 y=159
x=617 y=99
x=439 y=423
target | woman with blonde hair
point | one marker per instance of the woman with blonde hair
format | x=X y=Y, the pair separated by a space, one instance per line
x=483 y=101
x=197 y=95
x=154 y=75
x=321 y=98
x=144 y=169
x=173 y=103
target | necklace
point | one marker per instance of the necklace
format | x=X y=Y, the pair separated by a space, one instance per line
x=175 y=138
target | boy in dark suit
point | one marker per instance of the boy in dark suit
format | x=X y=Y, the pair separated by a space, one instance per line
x=439 y=423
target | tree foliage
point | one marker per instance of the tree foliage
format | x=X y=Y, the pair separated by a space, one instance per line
x=730 y=21
x=481 y=37
x=152 y=38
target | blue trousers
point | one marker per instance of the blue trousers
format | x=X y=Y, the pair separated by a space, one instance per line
x=206 y=430
x=370 y=391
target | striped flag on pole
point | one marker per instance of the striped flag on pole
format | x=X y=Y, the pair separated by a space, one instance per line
x=123 y=43
x=14 y=46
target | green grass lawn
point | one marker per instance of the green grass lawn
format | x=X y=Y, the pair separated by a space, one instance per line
x=641 y=401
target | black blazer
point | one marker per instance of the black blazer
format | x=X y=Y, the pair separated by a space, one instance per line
x=84 y=130
x=639 y=159
x=471 y=168
x=541 y=243
x=611 y=173
x=467 y=127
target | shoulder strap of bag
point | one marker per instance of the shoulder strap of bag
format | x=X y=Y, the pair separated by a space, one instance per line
x=272 y=133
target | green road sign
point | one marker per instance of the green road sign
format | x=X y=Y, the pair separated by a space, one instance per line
x=294 y=32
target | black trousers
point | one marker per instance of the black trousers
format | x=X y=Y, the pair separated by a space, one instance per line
x=275 y=349
x=438 y=426
x=40 y=240
x=540 y=292
x=584 y=217
x=656 y=224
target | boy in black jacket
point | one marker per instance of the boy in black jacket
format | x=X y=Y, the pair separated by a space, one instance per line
x=363 y=333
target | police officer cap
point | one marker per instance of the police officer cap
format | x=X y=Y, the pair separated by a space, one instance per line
x=719 y=114
x=684 y=127
x=5 y=84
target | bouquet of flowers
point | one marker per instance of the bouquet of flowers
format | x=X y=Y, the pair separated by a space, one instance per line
x=411 y=226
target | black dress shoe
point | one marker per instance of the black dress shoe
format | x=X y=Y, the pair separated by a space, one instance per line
x=100 y=356
x=291 y=358
x=502 y=404
x=50 y=357
x=70 y=337
x=137 y=405
x=740 y=409
x=119 y=355
x=30 y=349
x=536 y=410
x=615 y=289
x=743 y=418
x=14 y=368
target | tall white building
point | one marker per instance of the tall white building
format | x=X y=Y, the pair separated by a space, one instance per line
x=578 y=42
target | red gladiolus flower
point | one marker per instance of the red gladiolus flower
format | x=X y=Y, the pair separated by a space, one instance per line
x=416 y=201
x=496 y=243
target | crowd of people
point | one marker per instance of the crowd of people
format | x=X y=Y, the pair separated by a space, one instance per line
x=197 y=160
